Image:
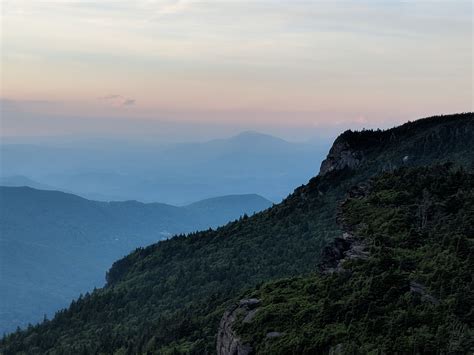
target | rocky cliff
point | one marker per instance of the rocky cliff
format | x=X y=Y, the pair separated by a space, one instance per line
x=412 y=144
x=340 y=156
x=228 y=342
x=333 y=256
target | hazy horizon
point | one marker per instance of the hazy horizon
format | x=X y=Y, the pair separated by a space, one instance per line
x=184 y=70
x=177 y=173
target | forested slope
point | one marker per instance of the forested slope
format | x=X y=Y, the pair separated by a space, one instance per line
x=56 y=245
x=169 y=297
x=411 y=290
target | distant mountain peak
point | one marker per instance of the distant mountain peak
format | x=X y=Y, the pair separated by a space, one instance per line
x=21 y=180
x=251 y=133
x=254 y=136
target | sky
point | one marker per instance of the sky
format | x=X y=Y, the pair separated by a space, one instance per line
x=291 y=68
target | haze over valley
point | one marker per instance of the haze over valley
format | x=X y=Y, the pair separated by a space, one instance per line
x=70 y=207
x=55 y=246
x=175 y=173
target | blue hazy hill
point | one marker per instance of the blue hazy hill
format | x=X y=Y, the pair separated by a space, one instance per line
x=56 y=245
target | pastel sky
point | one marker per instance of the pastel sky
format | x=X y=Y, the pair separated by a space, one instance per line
x=250 y=64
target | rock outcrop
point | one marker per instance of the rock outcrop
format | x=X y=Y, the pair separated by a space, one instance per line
x=346 y=247
x=340 y=156
x=228 y=342
x=420 y=289
x=342 y=248
x=403 y=145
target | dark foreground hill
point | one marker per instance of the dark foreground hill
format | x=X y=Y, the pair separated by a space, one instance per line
x=54 y=245
x=170 y=297
x=400 y=281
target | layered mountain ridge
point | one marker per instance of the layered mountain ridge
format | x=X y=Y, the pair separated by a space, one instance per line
x=170 y=296
x=56 y=245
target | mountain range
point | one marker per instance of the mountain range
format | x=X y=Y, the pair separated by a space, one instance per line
x=20 y=180
x=56 y=245
x=178 y=173
x=372 y=255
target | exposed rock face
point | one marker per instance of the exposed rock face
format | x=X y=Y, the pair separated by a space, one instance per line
x=340 y=156
x=348 y=246
x=343 y=248
x=274 y=335
x=419 y=289
x=336 y=350
x=228 y=343
x=333 y=253
x=440 y=134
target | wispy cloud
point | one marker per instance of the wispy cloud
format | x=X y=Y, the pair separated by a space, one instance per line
x=116 y=99
x=109 y=97
x=128 y=102
x=166 y=55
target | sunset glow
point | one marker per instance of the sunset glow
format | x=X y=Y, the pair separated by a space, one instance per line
x=265 y=62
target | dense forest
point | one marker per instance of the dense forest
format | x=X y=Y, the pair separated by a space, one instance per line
x=170 y=296
x=412 y=293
